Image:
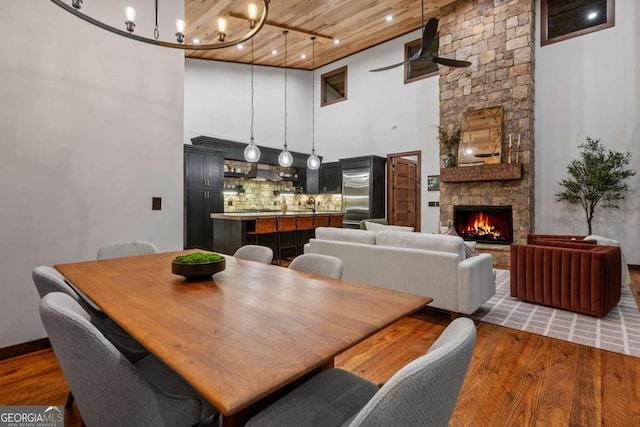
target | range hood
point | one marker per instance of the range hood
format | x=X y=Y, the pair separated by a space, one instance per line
x=262 y=173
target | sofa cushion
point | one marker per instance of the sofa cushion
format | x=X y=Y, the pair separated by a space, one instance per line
x=431 y=242
x=373 y=226
x=346 y=235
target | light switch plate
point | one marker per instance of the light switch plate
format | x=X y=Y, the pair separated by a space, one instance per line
x=156 y=203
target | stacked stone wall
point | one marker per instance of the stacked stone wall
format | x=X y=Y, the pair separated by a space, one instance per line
x=497 y=37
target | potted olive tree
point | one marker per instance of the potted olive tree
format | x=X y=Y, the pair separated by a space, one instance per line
x=449 y=138
x=598 y=177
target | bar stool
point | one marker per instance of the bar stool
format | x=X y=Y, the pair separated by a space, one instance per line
x=286 y=229
x=320 y=221
x=336 y=220
x=266 y=226
x=304 y=226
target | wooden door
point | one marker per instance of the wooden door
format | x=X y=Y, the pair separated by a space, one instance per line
x=403 y=192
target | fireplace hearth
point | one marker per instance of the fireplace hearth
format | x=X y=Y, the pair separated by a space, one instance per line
x=484 y=224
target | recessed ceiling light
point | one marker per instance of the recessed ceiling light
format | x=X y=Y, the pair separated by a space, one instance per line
x=303 y=56
x=240 y=46
x=389 y=18
x=274 y=52
x=592 y=16
x=196 y=41
x=336 y=41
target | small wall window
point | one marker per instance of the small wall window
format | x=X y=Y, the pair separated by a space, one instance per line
x=418 y=70
x=563 y=19
x=333 y=86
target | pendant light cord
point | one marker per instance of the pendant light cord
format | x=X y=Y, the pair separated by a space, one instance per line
x=156 y=32
x=285 y=89
x=253 y=110
x=313 y=95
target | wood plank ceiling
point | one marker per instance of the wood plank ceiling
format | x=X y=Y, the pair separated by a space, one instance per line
x=357 y=24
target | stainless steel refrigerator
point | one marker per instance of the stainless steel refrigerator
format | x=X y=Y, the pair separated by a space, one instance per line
x=355 y=196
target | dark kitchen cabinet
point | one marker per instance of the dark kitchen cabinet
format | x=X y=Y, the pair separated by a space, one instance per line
x=307 y=180
x=330 y=178
x=204 y=182
x=199 y=205
x=203 y=169
x=311 y=181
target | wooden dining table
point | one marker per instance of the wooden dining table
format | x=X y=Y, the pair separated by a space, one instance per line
x=247 y=333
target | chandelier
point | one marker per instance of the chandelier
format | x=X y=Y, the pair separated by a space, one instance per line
x=254 y=24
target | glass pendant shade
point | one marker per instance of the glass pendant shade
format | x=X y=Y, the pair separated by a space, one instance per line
x=252 y=152
x=285 y=159
x=313 y=161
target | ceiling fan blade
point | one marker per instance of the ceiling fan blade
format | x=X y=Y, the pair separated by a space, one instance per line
x=450 y=62
x=429 y=34
x=388 y=67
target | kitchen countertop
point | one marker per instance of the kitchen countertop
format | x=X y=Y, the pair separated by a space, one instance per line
x=244 y=216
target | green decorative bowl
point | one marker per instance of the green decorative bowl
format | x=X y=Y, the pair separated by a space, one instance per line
x=199 y=271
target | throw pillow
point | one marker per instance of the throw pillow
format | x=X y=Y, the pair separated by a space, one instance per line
x=468 y=251
x=372 y=226
x=450 y=232
x=469 y=247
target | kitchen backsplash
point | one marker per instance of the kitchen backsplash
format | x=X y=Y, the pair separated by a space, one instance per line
x=245 y=194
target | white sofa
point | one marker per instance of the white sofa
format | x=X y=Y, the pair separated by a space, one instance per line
x=431 y=265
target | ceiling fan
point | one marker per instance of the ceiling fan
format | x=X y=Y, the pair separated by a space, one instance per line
x=424 y=54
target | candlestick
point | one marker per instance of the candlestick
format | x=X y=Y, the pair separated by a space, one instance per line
x=509 y=149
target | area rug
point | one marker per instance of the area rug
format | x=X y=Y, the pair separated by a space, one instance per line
x=619 y=331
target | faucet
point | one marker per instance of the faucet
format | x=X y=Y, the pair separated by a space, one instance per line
x=311 y=204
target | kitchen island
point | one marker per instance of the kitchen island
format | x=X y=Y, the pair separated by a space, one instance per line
x=230 y=228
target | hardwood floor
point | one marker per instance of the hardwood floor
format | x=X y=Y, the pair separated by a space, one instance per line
x=515 y=378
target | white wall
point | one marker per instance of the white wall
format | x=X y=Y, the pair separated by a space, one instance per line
x=90 y=130
x=218 y=103
x=589 y=86
x=382 y=115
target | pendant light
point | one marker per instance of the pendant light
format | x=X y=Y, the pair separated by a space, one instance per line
x=313 y=161
x=251 y=151
x=285 y=159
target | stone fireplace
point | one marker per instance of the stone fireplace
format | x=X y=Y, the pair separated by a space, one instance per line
x=497 y=37
x=484 y=224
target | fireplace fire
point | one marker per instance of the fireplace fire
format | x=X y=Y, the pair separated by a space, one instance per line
x=485 y=224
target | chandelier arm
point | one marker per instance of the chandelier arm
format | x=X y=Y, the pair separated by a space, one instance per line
x=147 y=40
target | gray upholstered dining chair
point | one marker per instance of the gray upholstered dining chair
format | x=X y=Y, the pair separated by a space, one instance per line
x=324 y=265
x=48 y=279
x=422 y=393
x=257 y=253
x=123 y=249
x=109 y=389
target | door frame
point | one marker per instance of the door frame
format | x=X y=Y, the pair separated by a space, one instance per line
x=390 y=158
